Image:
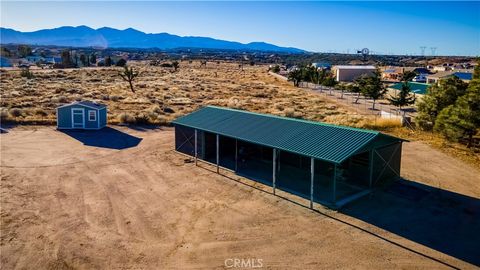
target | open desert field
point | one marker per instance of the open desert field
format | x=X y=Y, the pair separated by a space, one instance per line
x=121 y=198
x=161 y=94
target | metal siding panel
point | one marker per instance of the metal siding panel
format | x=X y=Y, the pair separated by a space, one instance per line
x=103 y=117
x=64 y=117
x=322 y=141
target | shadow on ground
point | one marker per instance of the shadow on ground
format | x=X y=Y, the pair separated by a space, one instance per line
x=105 y=138
x=442 y=220
x=143 y=127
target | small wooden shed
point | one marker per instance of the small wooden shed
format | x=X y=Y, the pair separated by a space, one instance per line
x=82 y=115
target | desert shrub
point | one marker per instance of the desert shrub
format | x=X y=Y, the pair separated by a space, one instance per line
x=142 y=119
x=3 y=115
x=26 y=73
x=120 y=63
x=59 y=90
x=156 y=109
x=168 y=65
x=40 y=112
x=60 y=99
x=383 y=123
x=279 y=106
x=275 y=69
x=114 y=98
x=15 y=112
x=126 y=118
x=261 y=95
x=168 y=110
x=289 y=112
x=105 y=97
x=152 y=116
x=162 y=120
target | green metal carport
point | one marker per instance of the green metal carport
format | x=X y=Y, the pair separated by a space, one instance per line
x=324 y=163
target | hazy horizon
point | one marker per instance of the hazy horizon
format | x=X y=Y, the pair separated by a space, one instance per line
x=339 y=27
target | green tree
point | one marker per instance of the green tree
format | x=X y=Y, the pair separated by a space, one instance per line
x=408 y=76
x=66 y=59
x=476 y=70
x=355 y=88
x=24 y=51
x=461 y=119
x=275 y=69
x=175 y=65
x=121 y=63
x=439 y=96
x=295 y=76
x=84 y=60
x=108 y=61
x=5 y=52
x=128 y=75
x=403 y=98
x=372 y=87
x=93 y=58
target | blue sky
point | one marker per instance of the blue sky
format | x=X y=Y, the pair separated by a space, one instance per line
x=383 y=27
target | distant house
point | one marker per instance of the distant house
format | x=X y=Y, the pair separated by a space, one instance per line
x=441 y=68
x=53 y=60
x=349 y=73
x=321 y=65
x=462 y=75
x=82 y=115
x=44 y=60
x=395 y=73
x=434 y=78
x=34 y=59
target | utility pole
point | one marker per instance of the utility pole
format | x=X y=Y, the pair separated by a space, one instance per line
x=422 y=49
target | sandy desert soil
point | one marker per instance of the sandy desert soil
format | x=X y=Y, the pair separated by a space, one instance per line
x=77 y=201
x=162 y=95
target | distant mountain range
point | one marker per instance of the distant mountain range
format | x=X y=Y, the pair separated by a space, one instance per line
x=105 y=37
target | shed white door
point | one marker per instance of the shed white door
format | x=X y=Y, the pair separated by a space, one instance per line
x=78 y=118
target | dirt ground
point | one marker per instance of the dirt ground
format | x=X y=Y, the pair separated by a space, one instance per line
x=77 y=200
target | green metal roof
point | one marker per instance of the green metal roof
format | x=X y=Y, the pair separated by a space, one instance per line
x=314 y=139
x=418 y=88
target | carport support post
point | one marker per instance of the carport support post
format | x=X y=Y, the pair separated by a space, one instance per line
x=370 y=180
x=334 y=183
x=312 y=171
x=218 y=154
x=236 y=155
x=274 y=169
x=196 y=147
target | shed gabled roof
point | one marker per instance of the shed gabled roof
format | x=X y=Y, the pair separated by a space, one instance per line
x=86 y=103
x=314 y=139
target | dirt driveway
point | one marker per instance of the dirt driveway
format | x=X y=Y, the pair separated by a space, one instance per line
x=83 y=201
